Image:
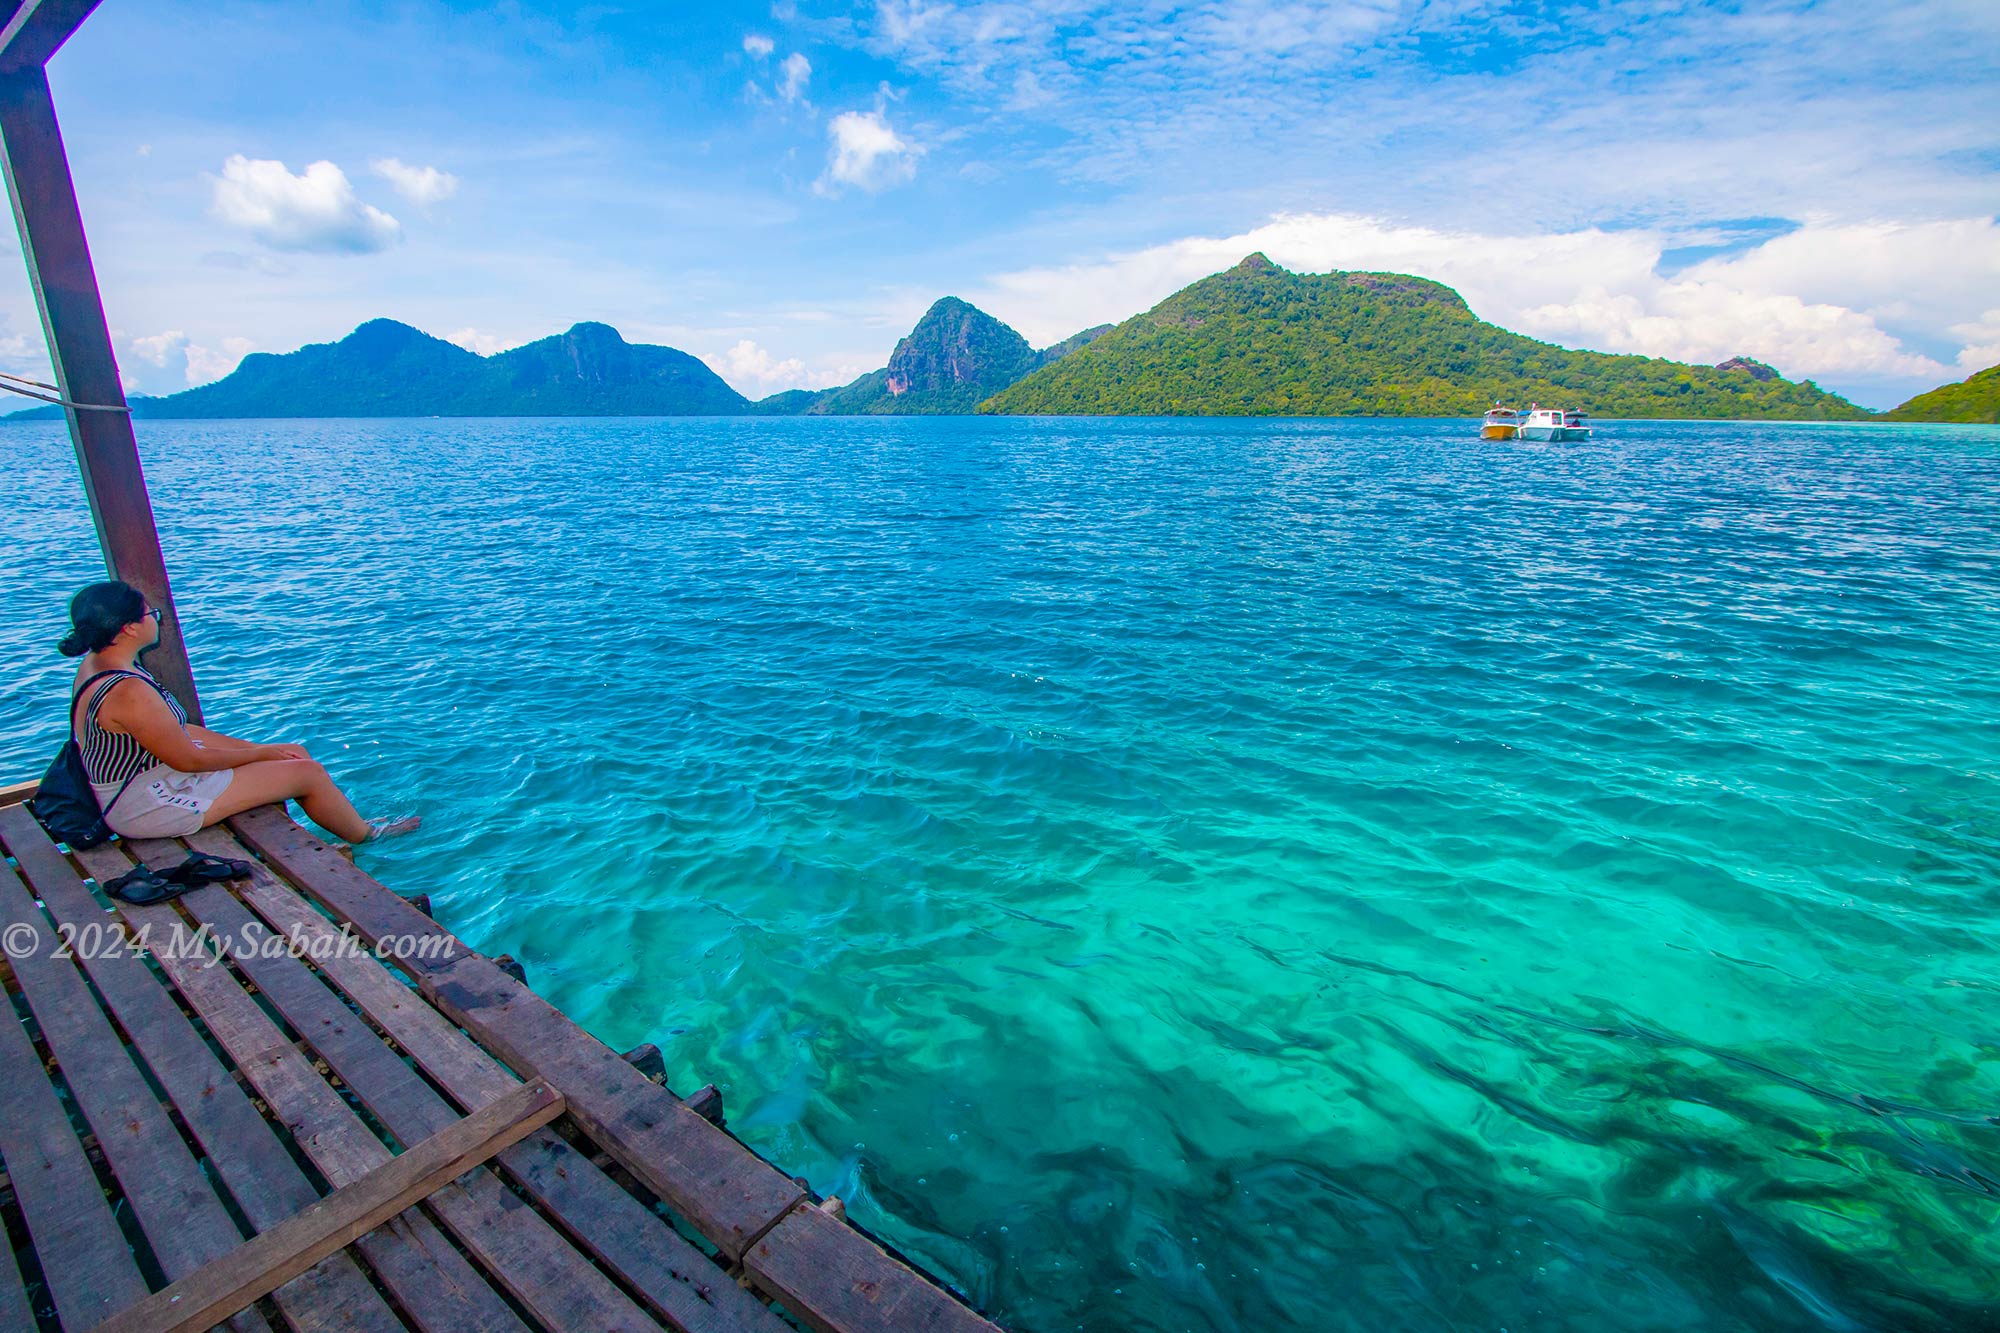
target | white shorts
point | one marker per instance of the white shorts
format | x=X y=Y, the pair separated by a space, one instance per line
x=162 y=802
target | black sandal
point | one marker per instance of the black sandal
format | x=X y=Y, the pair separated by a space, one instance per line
x=142 y=886
x=202 y=868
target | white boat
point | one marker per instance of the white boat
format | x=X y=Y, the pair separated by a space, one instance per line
x=1553 y=423
x=1501 y=423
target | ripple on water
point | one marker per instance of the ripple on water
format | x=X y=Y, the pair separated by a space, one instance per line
x=1176 y=874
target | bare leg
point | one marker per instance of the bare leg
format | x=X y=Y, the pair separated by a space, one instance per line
x=302 y=780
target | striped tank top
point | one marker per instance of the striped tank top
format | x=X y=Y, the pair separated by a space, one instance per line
x=107 y=756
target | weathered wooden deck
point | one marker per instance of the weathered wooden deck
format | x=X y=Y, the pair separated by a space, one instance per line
x=162 y=1105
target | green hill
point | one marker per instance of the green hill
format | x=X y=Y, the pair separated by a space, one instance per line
x=1973 y=399
x=592 y=371
x=382 y=369
x=956 y=357
x=1258 y=340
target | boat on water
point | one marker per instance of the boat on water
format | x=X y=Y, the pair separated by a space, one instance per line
x=1501 y=423
x=1554 y=423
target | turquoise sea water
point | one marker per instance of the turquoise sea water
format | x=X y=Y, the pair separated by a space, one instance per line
x=1182 y=874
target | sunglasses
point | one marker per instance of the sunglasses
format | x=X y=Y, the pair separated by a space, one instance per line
x=153 y=613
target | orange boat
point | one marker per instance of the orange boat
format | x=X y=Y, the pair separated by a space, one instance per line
x=1501 y=423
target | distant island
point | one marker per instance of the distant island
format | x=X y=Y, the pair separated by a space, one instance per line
x=1258 y=340
x=1254 y=340
x=956 y=358
x=1973 y=400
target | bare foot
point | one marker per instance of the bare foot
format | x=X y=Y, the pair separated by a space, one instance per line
x=379 y=829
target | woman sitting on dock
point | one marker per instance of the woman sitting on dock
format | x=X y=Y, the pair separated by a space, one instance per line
x=155 y=775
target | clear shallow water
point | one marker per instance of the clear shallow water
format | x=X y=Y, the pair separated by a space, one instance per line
x=1188 y=875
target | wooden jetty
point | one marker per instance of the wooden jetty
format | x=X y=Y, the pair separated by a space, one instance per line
x=297 y=1102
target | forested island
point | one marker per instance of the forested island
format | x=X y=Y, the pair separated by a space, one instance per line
x=1254 y=340
x=1974 y=400
x=1258 y=340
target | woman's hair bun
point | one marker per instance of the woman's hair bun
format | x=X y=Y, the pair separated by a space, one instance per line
x=97 y=613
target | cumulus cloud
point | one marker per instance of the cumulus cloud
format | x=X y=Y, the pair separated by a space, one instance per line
x=481 y=344
x=212 y=363
x=1703 y=321
x=1982 y=342
x=422 y=186
x=754 y=372
x=314 y=211
x=159 y=348
x=793 y=76
x=864 y=153
x=758 y=47
x=1912 y=271
x=199 y=363
x=1802 y=302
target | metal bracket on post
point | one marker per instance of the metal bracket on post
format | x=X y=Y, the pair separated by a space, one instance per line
x=59 y=267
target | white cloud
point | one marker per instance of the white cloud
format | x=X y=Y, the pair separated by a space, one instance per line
x=837 y=370
x=159 y=348
x=1741 y=111
x=788 y=81
x=21 y=355
x=1710 y=321
x=866 y=154
x=1920 y=272
x=793 y=76
x=206 y=363
x=1982 y=342
x=315 y=211
x=482 y=344
x=1801 y=302
x=754 y=372
x=199 y=364
x=422 y=186
x=977 y=42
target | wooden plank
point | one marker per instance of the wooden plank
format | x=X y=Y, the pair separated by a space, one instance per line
x=183 y=1220
x=86 y=370
x=682 y=1284
x=90 y=1271
x=16 y=1315
x=268 y=1261
x=838 y=1281
x=242 y=1148
x=350 y=894
x=17 y=793
x=730 y=1194
x=447 y=1054
x=432 y=1281
x=528 y=1256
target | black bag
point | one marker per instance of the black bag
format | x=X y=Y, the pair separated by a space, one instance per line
x=65 y=804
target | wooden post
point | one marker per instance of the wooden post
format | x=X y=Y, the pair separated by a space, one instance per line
x=58 y=256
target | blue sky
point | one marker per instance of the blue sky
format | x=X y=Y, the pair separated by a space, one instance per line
x=781 y=189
